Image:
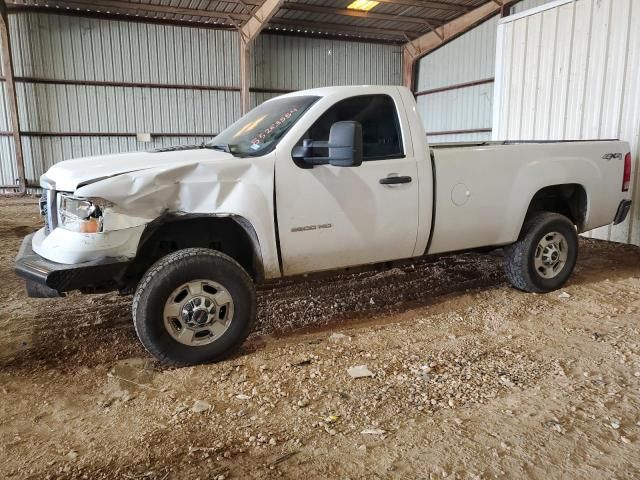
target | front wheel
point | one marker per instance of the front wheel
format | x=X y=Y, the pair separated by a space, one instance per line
x=545 y=254
x=194 y=306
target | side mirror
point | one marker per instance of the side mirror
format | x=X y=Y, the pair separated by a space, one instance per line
x=345 y=144
x=344 y=147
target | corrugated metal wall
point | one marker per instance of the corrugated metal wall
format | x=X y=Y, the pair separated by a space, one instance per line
x=81 y=54
x=296 y=63
x=8 y=172
x=468 y=58
x=572 y=72
x=84 y=52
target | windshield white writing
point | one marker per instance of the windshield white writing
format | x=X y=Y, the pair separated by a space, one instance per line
x=265 y=133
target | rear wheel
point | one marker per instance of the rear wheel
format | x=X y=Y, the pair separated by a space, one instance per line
x=194 y=306
x=545 y=254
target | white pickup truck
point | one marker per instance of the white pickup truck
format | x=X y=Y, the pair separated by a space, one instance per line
x=314 y=180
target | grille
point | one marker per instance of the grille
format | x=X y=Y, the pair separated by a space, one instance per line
x=48 y=210
x=43 y=211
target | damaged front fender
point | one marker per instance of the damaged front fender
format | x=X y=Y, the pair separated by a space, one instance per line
x=238 y=187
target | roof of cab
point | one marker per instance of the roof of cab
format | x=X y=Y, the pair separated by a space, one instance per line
x=354 y=89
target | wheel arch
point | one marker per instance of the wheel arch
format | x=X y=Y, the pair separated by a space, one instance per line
x=232 y=235
x=568 y=199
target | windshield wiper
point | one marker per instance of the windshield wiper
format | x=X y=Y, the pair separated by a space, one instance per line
x=175 y=148
x=223 y=147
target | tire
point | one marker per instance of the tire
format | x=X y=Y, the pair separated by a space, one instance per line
x=225 y=288
x=531 y=269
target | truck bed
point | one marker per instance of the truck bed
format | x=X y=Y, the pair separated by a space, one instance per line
x=481 y=185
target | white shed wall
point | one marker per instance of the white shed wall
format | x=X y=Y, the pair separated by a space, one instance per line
x=572 y=72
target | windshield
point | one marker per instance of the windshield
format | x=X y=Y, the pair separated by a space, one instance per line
x=260 y=130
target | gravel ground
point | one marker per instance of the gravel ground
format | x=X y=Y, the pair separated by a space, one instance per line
x=469 y=378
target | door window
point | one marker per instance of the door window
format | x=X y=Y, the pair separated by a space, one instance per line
x=380 y=126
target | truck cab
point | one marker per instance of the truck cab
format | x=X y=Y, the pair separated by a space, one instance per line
x=340 y=217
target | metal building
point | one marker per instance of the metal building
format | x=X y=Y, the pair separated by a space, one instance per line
x=138 y=76
x=115 y=75
x=118 y=75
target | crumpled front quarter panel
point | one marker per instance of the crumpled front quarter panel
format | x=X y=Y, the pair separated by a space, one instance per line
x=239 y=186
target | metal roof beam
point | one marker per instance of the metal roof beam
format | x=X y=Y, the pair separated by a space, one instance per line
x=428 y=42
x=303 y=7
x=248 y=32
x=448 y=6
x=337 y=27
x=117 y=6
x=259 y=19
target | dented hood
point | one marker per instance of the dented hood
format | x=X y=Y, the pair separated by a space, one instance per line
x=194 y=181
x=68 y=175
x=144 y=186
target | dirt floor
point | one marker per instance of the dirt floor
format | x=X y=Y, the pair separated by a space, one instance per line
x=471 y=379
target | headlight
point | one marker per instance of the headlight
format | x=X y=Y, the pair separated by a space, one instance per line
x=82 y=215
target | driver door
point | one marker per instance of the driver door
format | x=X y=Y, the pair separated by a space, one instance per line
x=332 y=217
